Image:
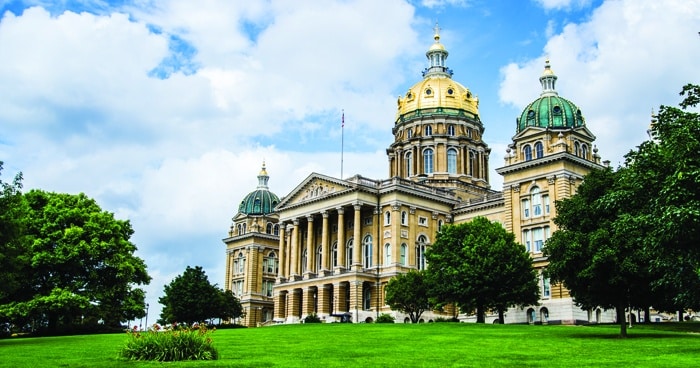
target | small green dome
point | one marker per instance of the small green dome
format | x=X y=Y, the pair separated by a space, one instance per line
x=550 y=110
x=260 y=201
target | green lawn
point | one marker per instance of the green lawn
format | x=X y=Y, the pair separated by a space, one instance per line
x=394 y=345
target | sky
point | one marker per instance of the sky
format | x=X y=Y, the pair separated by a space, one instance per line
x=164 y=110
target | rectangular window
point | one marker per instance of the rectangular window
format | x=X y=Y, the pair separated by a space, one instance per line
x=526 y=208
x=526 y=240
x=538 y=239
x=368 y=221
x=422 y=221
x=545 y=199
x=546 y=290
x=403 y=254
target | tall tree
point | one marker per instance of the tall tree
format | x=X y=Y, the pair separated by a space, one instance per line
x=408 y=293
x=13 y=251
x=81 y=263
x=479 y=266
x=191 y=298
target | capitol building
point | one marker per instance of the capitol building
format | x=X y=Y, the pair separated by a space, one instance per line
x=331 y=245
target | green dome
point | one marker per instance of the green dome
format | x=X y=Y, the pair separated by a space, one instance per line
x=260 y=201
x=550 y=110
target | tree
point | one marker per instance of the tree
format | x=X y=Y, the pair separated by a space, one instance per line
x=479 y=266
x=13 y=252
x=408 y=293
x=79 y=263
x=191 y=298
x=594 y=253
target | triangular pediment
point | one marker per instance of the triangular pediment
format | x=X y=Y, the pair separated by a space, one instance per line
x=315 y=186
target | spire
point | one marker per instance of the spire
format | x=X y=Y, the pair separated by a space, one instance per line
x=548 y=79
x=650 y=131
x=437 y=54
x=263 y=177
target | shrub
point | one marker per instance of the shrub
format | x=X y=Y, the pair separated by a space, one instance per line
x=170 y=344
x=443 y=319
x=385 y=318
x=312 y=318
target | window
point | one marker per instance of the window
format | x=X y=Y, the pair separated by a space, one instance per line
x=387 y=254
x=404 y=218
x=526 y=208
x=334 y=261
x=527 y=152
x=584 y=151
x=450 y=130
x=319 y=253
x=387 y=218
x=539 y=150
x=348 y=253
x=237 y=287
x=576 y=148
x=366 y=297
x=428 y=161
x=546 y=289
x=267 y=288
x=537 y=239
x=536 y=202
x=240 y=262
x=420 y=252
x=452 y=161
x=268 y=228
x=404 y=249
x=428 y=130
x=270 y=263
x=409 y=164
x=545 y=202
x=276 y=230
x=472 y=163
x=409 y=133
x=367 y=252
x=422 y=221
x=526 y=240
x=469 y=132
x=304 y=258
x=440 y=225
x=367 y=221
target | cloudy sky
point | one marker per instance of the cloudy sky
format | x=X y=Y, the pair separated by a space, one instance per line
x=164 y=110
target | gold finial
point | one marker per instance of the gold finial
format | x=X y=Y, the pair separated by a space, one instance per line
x=436 y=29
x=263 y=171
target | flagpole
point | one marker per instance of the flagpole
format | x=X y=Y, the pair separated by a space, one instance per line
x=342 y=131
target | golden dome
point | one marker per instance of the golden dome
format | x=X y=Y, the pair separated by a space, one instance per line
x=437 y=91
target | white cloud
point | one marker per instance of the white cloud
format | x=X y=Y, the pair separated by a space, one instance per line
x=562 y=4
x=616 y=67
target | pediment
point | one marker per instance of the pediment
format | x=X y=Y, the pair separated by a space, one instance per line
x=314 y=187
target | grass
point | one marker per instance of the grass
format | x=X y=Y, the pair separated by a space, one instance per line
x=392 y=345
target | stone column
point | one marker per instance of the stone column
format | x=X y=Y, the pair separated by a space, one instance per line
x=281 y=304
x=339 y=297
x=324 y=244
x=324 y=299
x=341 y=240
x=293 y=299
x=294 y=256
x=395 y=240
x=310 y=248
x=227 y=282
x=309 y=300
x=282 y=251
x=357 y=241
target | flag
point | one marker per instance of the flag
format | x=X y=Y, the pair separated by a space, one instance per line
x=342 y=120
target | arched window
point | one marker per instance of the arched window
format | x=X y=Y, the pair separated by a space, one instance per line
x=404 y=250
x=428 y=161
x=420 y=252
x=304 y=257
x=268 y=228
x=577 y=148
x=440 y=223
x=318 y=258
x=366 y=297
x=404 y=218
x=276 y=230
x=409 y=164
x=428 y=130
x=241 y=263
x=334 y=261
x=387 y=218
x=409 y=133
x=367 y=251
x=450 y=130
x=539 y=150
x=584 y=151
x=472 y=162
x=270 y=263
x=527 y=152
x=452 y=161
x=387 y=254
x=348 y=253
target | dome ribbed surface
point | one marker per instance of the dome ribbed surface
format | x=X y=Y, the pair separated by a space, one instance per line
x=551 y=112
x=259 y=202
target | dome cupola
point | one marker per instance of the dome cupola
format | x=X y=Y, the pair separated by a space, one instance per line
x=550 y=110
x=437 y=92
x=261 y=201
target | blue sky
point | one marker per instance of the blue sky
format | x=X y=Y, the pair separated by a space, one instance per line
x=164 y=110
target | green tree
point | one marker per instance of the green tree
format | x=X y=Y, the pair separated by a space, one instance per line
x=408 y=293
x=191 y=298
x=479 y=266
x=13 y=251
x=80 y=263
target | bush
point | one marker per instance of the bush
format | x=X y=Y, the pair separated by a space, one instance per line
x=173 y=343
x=312 y=318
x=385 y=318
x=443 y=319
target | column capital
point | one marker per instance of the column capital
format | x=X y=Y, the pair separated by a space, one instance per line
x=310 y=218
x=340 y=210
x=324 y=213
